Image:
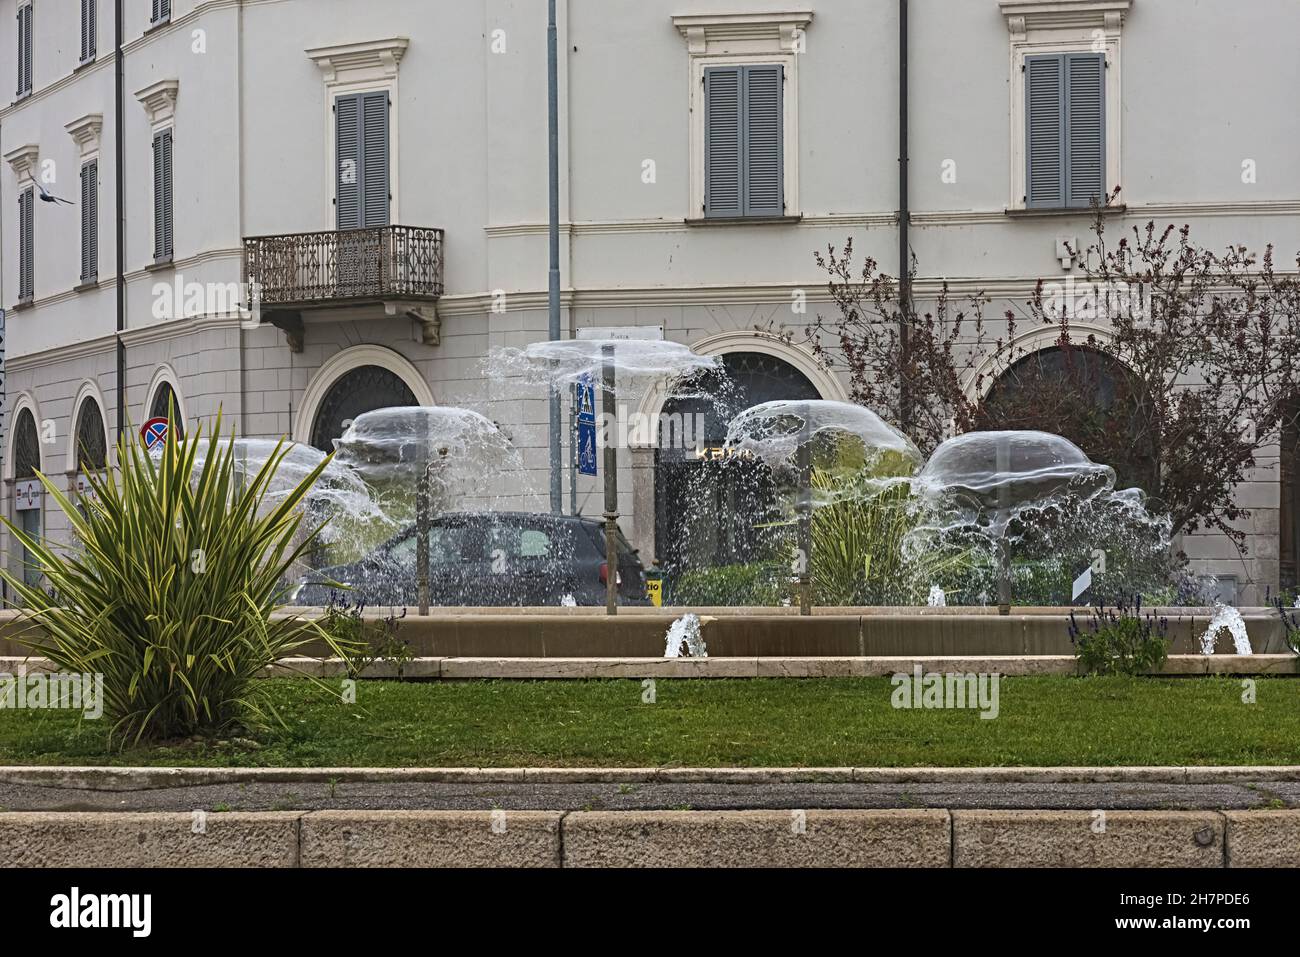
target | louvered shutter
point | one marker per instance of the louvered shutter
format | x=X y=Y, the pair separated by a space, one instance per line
x=723 y=142
x=374 y=150
x=348 y=172
x=26 y=243
x=1045 y=131
x=89 y=28
x=763 y=141
x=25 y=49
x=89 y=221
x=162 y=10
x=162 y=194
x=167 y=192
x=1085 y=145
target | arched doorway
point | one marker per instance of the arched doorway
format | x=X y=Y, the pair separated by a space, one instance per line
x=28 y=497
x=1084 y=395
x=712 y=509
x=359 y=390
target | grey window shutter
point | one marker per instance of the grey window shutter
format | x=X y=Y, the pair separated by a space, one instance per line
x=1045 y=131
x=348 y=161
x=723 y=142
x=374 y=167
x=26 y=243
x=167 y=191
x=89 y=28
x=763 y=141
x=25 y=49
x=89 y=221
x=1085 y=121
x=162 y=10
x=162 y=194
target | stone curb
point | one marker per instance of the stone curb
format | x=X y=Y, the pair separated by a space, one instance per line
x=1088 y=839
x=146 y=779
x=461 y=669
x=835 y=838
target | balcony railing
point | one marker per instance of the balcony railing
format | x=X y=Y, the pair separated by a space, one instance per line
x=351 y=265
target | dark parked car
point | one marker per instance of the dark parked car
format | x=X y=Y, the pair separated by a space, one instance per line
x=487 y=558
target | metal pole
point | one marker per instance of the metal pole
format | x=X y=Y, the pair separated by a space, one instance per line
x=804 y=508
x=904 y=220
x=119 y=214
x=573 y=450
x=553 y=285
x=611 y=484
x=422 y=529
x=1004 y=509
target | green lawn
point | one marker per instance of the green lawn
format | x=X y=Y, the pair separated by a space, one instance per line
x=750 y=723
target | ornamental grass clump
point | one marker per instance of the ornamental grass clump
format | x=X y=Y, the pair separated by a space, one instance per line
x=167 y=589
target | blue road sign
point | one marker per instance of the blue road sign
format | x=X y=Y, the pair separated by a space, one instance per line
x=586 y=447
x=587 y=399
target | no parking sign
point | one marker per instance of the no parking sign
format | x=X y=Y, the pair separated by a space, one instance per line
x=154 y=433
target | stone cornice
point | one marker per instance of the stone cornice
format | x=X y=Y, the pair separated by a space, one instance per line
x=23 y=159
x=86 y=131
x=159 y=101
x=356 y=62
x=1023 y=16
x=702 y=29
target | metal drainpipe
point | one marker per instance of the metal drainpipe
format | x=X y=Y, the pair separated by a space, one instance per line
x=119 y=198
x=904 y=220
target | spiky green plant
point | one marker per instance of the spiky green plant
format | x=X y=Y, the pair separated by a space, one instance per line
x=858 y=556
x=169 y=585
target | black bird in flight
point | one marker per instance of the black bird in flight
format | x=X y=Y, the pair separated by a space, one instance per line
x=51 y=198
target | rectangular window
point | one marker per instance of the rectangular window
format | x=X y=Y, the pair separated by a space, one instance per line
x=24 y=49
x=362 y=197
x=1065 y=130
x=90 y=221
x=162 y=195
x=89 y=27
x=26 y=248
x=744 y=168
x=162 y=11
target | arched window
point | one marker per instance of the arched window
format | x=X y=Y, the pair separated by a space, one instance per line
x=28 y=499
x=358 y=390
x=27 y=446
x=91 y=444
x=1084 y=395
x=166 y=405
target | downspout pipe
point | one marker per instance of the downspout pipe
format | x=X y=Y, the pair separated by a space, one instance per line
x=904 y=221
x=119 y=199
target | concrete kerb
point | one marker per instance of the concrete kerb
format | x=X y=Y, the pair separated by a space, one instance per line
x=146 y=779
x=935 y=838
x=607 y=668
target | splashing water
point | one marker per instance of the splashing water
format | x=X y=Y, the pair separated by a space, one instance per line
x=568 y=601
x=937 y=597
x=471 y=464
x=1226 y=617
x=853 y=436
x=686 y=631
x=566 y=361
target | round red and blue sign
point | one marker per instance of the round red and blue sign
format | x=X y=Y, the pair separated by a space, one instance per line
x=154 y=433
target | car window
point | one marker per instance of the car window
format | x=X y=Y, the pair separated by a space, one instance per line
x=448 y=545
x=516 y=542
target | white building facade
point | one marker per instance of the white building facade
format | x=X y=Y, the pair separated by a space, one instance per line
x=381 y=169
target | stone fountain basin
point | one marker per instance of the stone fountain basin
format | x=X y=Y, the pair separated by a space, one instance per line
x=765 y=632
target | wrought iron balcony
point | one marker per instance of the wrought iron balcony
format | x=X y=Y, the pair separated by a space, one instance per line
x=301 y=270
